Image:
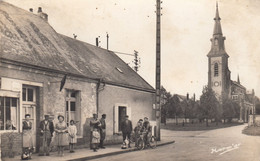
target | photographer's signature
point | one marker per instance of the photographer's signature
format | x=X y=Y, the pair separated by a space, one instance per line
x=225 y=149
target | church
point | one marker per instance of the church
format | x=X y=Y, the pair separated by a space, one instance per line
x=219 y=75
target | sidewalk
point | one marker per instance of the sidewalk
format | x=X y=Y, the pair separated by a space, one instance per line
x=87 y=154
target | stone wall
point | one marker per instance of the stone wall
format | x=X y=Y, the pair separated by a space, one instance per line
x=11 y=140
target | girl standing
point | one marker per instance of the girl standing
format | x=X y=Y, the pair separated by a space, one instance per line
x=95 y=139
x=61 y=135
x=72 y=130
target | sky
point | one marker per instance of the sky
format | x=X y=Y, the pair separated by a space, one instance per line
x=187 y=26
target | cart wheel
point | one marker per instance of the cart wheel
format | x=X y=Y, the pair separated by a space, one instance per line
x=140 y=144
x=153 y=142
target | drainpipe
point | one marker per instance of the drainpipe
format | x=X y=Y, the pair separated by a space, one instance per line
x=97 y=92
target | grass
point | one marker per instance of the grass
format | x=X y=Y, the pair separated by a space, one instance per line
x=196 y=126
x=252 y=130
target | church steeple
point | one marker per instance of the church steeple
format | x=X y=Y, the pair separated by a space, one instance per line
x=238 y=80
x=217 y=40
x=217 y=27
x=218 y=74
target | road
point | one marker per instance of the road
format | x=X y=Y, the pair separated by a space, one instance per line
x=226 y=144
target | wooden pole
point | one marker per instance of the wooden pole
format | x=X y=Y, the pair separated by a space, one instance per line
x=158 y=68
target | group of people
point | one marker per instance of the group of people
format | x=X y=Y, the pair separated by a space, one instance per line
x=62 y=135
x=98 y=132
x=143 y=127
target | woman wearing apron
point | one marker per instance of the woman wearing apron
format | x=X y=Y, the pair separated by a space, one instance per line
x=27 y=138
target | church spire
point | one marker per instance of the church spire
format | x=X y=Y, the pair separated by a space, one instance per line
x=238 y=80
x=217 y=27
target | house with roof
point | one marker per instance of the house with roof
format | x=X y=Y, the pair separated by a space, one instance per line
x=34 y=58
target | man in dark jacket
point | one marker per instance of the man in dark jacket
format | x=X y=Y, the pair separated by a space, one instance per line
x=46 y=131
x=147 y=128
x=102 y=131
x=127 y=128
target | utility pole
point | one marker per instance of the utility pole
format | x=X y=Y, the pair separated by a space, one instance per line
x=158 y=69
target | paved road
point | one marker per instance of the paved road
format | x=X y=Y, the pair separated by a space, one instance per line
x=227 y=144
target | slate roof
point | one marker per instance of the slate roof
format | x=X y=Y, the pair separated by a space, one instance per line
x=181 y=98
x=27 y=38
x=234 y=83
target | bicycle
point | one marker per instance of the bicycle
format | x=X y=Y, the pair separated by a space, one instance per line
x=141 y=142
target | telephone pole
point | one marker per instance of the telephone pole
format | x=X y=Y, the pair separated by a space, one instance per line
x=158 y=69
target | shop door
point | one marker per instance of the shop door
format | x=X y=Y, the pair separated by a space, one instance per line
x=29 y=107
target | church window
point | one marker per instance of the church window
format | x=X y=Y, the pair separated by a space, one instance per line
x=216 y=69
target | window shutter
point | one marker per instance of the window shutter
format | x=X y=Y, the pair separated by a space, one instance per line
x=115 y=119
x=78 y=113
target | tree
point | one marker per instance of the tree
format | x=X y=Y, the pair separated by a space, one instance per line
x=176 y=105
x=165 y=102
x=257 y=109
x=230 y=109
x=209 y=105
x=193 y=110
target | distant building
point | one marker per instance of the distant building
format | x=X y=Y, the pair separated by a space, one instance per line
x=219 y=74
x=34 y=58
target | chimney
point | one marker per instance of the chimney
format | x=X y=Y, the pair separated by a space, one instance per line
x=31 y=10
x=42 y=14
x=187 y=96
x=97 y=41
x=75 y=36
x=39 y=9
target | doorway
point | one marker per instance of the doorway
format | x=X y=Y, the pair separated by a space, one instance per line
x=121 y=116
x=29 y=107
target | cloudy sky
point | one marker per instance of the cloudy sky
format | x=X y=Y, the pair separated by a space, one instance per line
x=187 y=26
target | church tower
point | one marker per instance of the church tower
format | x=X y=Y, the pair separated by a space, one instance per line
x=218 y=72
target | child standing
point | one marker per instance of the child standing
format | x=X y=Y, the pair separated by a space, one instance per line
x=95 y=139
x=138 y=131
x=72 y=130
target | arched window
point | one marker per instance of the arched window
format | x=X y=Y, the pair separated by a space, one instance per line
x=216 y=42
x=215 y=69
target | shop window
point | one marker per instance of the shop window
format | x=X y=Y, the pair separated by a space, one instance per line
x=73 y=111
x=8 y=113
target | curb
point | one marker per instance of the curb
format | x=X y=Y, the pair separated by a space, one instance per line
x=116 y=153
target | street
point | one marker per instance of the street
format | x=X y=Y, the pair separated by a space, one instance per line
x=226 y=144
